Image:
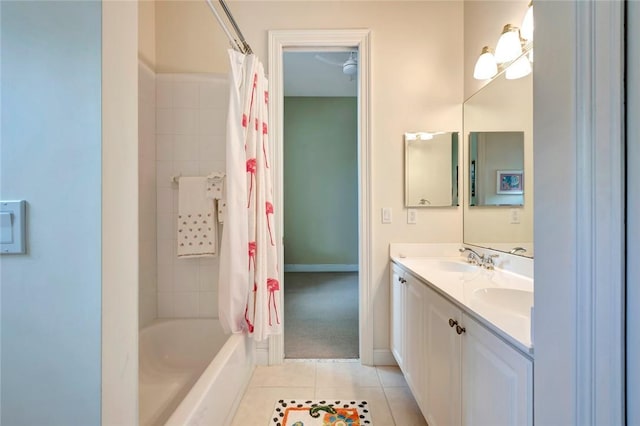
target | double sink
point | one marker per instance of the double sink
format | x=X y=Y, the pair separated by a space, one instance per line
x=502 y=300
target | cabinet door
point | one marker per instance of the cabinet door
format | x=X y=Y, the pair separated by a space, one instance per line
x=442 y=405
x=397 y=315
x=414 y=338
x=497 y=384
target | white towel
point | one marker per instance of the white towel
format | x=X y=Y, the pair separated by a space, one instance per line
x=215 y=185
x=197 y=224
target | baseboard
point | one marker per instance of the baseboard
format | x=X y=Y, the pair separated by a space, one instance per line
x=262 y=356
x=383 y=357
x=331 y=267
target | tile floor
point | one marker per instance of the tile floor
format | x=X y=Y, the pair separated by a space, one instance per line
x=384 y=388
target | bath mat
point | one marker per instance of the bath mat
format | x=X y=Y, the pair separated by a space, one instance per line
x=321 y=413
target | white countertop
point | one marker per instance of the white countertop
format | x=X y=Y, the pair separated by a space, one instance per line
x=465 y=285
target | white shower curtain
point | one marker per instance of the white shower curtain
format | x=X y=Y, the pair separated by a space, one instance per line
x=249 y=287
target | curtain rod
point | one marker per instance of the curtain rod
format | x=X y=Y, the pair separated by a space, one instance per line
x=240 y=44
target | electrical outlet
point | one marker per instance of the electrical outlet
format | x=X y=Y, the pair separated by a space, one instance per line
x=386 y=215
x=515 y=216
x=412 y=216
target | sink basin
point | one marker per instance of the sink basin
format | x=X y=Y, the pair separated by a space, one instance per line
x=442 y=265
x=515 y=301
x=452 y=266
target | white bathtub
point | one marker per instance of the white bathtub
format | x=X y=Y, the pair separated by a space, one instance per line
x=191 y=373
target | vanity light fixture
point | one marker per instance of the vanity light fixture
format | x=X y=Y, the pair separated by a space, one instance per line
x=518 y=69
x=486 y=66
x=514 y=52
x=526 y=30
x=509 y=46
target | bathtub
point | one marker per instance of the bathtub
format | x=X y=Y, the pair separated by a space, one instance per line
x=191 y=373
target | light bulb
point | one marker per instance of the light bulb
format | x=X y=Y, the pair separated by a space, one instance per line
x=526 y=31
x=509 y=46
x=518 y=69
x=486 y=66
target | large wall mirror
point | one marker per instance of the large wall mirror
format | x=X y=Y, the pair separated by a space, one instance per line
x=431 y=169
x=498 y=172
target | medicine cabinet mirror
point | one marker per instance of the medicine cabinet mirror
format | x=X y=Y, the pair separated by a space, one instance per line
x=498 y=172
x=431 y=169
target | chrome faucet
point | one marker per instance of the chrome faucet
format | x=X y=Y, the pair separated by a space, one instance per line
x=488 y=261
x=473 y=258
x=485 y=261
x=517 y=249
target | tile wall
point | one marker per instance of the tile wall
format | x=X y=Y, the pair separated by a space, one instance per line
x=147 y=296
x=191 y=111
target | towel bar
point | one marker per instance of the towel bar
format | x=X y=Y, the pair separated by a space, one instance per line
x=215 y=177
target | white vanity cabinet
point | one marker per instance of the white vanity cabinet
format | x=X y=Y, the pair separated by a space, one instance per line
x=442 y=402
x=497 y=380
x=459 y=372
x=414 y=336
x=407 y=328
x=397 y=314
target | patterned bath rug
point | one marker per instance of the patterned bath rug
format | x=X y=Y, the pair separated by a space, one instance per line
x=320 y=413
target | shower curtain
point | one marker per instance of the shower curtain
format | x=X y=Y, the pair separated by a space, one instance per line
x=249 y=288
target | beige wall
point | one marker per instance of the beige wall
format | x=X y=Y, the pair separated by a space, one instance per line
x=119 y=213
x=416 y=84
x=147 y=32
x=483 y=23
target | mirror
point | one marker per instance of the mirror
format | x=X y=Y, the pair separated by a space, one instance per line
x=496 y=169
x=431 y=169
x=498 y=172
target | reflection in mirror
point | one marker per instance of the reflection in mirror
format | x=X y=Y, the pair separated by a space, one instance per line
x=505 y=108
x=496 y=162
x=431 y=169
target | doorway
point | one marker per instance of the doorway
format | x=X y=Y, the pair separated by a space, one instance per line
x=320 y=185
x=312 y=41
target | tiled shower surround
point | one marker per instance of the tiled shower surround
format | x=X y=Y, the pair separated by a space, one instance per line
x=191 y=112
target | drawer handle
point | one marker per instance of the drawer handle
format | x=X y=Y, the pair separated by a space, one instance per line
x=453 y=323
x=460 y=330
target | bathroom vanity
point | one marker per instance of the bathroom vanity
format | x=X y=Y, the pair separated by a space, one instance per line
x=461 y=335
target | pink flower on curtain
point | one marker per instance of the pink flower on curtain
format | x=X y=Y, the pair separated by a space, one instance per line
x=269 y=210
x=273 y=285
x=251 y=168
x=252 y=254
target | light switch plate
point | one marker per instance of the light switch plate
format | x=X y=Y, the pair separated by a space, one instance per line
x=386 y=215
x=13 y=227
x=412 y=216
x=514 y=218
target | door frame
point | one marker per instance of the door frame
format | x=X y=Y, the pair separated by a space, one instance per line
x=279 y=40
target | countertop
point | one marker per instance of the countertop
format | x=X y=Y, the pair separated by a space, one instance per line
x=507 y=317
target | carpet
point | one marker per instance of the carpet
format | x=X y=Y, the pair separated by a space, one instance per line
x=321 y=413
x=321 y=315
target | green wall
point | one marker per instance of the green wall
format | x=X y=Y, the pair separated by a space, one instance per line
x=320 y=181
